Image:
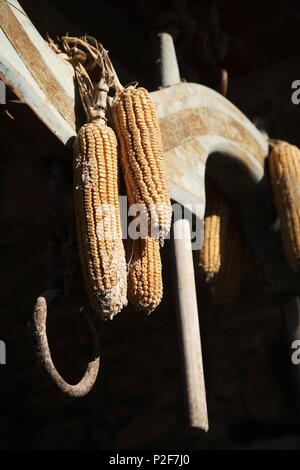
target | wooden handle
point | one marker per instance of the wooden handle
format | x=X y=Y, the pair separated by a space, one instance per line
x=169 y=70
x=189 y=330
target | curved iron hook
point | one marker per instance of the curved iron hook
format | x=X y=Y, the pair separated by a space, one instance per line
x=87 y=382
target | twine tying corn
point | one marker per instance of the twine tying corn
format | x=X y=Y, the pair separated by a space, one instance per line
x=284 y=166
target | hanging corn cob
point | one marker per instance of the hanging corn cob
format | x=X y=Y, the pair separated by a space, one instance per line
x=144 y=167
x=145 y=287
x=221 y=254
x=227 y=282
x=96 y=198
x=216 y=213
x=142 y=156
x=284 y=166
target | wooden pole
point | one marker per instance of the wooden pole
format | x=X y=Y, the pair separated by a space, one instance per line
x=169 y=71
x=188 y=321
x=189 y=329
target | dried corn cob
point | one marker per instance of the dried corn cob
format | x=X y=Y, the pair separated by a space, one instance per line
x=284 y=165
x=98 y=218
x=96 y=193
x=145 y=287
x=221 y=254
x=215 y=222
x=142 y=156
x=227 y=282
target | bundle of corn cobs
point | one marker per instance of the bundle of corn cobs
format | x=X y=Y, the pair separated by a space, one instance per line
x=124 y=127
x=222 y=253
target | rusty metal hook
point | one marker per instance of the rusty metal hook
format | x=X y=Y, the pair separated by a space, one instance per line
x=87 y=382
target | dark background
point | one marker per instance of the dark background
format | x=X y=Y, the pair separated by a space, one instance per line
x=137 y=401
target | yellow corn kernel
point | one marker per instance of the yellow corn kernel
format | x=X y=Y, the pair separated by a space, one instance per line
x=145 y=286
x=284 y=166
x=142 y=157
x=221 y=255
x=215 y=227
x=226 y=284
x=97 y=214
